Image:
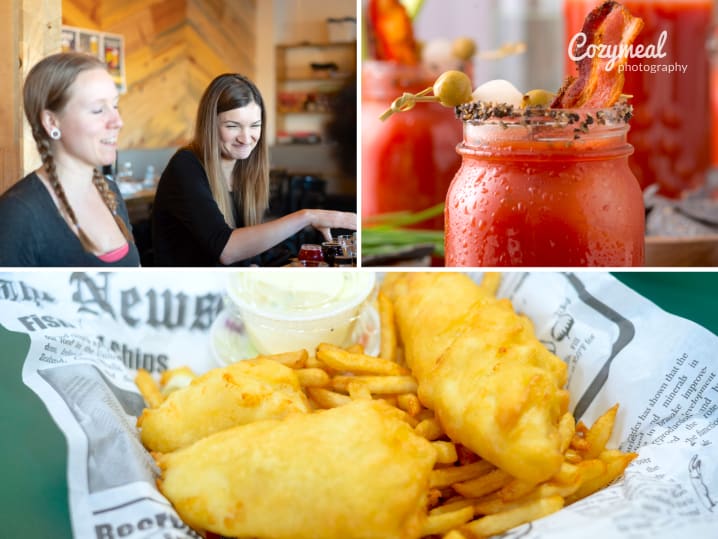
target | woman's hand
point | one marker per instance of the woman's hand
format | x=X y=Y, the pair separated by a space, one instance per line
x=325 y=220
x=246 y=242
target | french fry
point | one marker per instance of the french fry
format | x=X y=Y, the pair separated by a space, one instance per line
x=588 y=469
x=314 y=363
x=515 y=489
x=358 y=390
x=572 y=456
x=488 y=505
x=615 y=463
x=566 y=430
x=312 y=377
x=440 y=523
x=520 y=514
x=445 y=452
x=484 y=484
x=326 y=398
x=600 y=432
x=578 y=443
x=425 y=413
x=402 y=415
x=552 y=488
x=378 y=385
x=454 y=534
x=429 y=429
x=452 y=505
x=341 y=360
x=149 y=389
x=391 y=401
x=409 y=402
x=566 y=474
x=434 y=497
x=295 y=360
x=444 y=477
x=355 y=348
x=387 y=331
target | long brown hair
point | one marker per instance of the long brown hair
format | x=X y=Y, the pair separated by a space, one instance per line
x=47 y=87
x=250 y=177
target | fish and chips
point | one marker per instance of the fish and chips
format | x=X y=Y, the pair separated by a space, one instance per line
x=457 y=429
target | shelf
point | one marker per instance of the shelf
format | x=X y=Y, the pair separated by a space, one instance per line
x=317 y=45
x=338 y=78
x=304 y=112
x=298 y=84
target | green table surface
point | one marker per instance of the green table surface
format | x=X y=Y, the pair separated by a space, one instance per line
x=33 y=497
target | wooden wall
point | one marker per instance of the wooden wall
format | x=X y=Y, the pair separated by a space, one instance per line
x=173 y=49
x=29 y=30
x=11 y=104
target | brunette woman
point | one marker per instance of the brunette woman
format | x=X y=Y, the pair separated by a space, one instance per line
x=213 y=194
x=66 y=213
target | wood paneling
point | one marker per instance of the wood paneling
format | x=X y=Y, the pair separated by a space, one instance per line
x=173 y=49
x=10 y=105
x=29 y=30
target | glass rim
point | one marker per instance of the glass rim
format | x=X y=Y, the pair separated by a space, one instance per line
x=508 y=116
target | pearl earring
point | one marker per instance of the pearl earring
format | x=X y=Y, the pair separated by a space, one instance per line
x=55 y=133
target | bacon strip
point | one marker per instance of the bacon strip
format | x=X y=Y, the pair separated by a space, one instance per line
x=391 y=32
x=610 y=25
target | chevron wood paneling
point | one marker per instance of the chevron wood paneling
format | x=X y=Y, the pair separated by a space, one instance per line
x=173 y=49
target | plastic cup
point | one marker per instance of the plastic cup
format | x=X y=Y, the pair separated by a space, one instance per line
x=288 y=310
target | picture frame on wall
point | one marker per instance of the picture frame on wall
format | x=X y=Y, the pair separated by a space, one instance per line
x=110 y=48
x=113 y=53
x=69 y=40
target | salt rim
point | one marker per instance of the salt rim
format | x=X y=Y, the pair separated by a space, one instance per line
x=505 y=115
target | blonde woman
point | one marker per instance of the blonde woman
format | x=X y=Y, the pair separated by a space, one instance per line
x=66 y=213
x=212 y=196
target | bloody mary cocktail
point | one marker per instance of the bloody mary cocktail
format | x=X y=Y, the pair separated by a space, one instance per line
x=670 y=130
x=409 y=160
x=544 y=188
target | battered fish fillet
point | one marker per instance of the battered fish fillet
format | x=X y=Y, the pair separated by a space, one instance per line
x=357 y=471
x=240 y=393
x=440 y=300
x=493 y=386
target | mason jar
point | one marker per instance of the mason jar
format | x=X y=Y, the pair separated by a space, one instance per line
x=544 y=187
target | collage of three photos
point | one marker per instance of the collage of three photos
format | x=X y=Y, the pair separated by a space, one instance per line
x=410 y=269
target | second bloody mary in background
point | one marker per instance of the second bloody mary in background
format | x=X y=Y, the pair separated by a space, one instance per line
x=409 y=160
x=670 y=130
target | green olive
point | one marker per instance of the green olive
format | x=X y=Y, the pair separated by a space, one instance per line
x=537 y=98
x=463 y=48
x=453 y=88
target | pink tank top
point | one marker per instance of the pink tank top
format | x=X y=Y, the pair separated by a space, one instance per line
x=115 y=255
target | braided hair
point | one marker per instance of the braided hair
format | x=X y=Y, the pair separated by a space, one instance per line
x=47 y=88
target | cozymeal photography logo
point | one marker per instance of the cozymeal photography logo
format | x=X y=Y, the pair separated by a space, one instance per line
x=615 y=53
